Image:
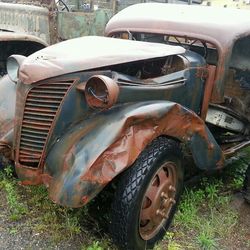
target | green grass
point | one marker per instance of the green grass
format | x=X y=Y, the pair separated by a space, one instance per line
x=94 y=246
x=205 y=214
x=205 y=218
x=16 y=207
x=30 y=207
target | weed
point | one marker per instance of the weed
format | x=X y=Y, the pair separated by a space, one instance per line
x=236 y=168
x=17 y=208
x=211 y=192
x=248 y=244
x=13 y=231
x=206 y=241
x=9 y=172
x=72 y=225
x=206 y=214
x=95 y=246
x=205 y=218
x=188 y=209
x=172 y=244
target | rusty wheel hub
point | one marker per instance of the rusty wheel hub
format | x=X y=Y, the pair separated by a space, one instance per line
x=158 y=201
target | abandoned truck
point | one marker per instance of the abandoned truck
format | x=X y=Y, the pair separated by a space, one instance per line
x=92 y=111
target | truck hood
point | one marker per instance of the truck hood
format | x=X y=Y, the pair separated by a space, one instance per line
x=88 y=53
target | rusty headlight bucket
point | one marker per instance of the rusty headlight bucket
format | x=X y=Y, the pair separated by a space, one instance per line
x=13 y=65
x=101 y=92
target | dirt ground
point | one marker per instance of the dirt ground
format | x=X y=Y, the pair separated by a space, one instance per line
x=19 y=235
x=243 y=210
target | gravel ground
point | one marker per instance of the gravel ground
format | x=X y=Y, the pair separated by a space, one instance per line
x=19 y=235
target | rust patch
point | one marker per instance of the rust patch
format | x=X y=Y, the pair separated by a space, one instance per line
x=137 y=135
x=31 y=176
x=46 y=179
x=85 y=199
x=101 y=92
x=208 y=90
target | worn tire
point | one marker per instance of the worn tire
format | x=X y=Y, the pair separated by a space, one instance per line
x=132 y=193
x=246 y=186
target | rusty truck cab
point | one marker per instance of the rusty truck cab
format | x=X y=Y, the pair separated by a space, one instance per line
x=221 y=36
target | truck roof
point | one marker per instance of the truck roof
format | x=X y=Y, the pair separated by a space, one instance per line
x=217 y=25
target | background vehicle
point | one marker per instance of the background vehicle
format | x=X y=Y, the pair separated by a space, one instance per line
x=87 y=116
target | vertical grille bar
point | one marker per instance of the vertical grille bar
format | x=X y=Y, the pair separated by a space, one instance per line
x=42 y=104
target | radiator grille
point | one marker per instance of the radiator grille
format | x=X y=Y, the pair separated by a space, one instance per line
x=42 y=104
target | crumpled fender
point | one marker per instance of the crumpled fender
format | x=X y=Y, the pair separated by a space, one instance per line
x=7 y=114
x=92 y=153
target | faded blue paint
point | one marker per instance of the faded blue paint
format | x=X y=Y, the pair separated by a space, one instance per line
x=70 y=159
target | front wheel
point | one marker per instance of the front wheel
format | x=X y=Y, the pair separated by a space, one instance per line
x=147 y=195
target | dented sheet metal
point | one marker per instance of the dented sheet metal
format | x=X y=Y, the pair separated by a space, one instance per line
x=87 y=53
x=101 y=147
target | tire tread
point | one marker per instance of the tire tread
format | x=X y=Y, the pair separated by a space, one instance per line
x=129 y=185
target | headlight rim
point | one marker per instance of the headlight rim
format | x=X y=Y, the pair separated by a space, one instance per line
x=13 y=64
x=110 y=88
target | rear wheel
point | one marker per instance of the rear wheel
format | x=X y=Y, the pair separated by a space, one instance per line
x=147 y=196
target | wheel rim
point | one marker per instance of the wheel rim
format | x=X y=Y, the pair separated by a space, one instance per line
x=158 y=201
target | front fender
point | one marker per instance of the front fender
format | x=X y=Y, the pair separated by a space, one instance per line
x=92 y=153
x=7 y=114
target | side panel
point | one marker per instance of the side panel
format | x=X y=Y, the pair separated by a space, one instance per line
x=93 y=152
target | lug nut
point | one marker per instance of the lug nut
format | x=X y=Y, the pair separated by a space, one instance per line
x=172 y=188
x=172 y=201
x=162 y=214
x=164 y=195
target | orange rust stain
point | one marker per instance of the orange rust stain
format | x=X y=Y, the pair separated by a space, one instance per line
x=208 y=90
x=32 y=176
x=135 y=137
x=46 y=178
x=220 y=164
x=85 y=199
